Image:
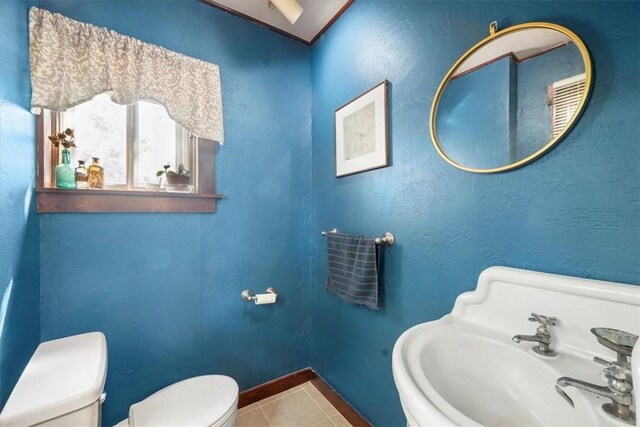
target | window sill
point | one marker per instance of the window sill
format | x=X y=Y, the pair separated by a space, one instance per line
x=55 y=200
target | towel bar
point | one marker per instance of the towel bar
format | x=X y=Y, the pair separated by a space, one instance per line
x=387 y=239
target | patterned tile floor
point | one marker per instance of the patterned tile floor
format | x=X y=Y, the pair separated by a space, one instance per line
x=301 y=406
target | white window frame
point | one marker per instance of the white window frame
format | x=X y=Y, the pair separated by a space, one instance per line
x=186 y=154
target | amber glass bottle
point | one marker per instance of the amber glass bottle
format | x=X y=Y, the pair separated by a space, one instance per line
x=96 y=174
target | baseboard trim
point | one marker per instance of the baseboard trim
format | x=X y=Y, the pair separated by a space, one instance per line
x=276 y=386
x=294 y=379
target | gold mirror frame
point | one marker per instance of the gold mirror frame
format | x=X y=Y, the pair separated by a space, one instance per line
x=494 y=35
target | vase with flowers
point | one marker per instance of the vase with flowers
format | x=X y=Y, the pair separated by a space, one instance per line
x=65 y=174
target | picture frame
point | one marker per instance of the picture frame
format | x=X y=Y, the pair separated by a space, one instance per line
x=362 y=132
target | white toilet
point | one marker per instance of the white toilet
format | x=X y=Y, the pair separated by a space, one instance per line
x=209 y=400
x=63 y=385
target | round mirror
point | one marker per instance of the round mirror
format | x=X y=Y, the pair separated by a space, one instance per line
x=511 y=97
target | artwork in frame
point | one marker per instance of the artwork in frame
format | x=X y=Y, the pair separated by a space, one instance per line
x=362 y=137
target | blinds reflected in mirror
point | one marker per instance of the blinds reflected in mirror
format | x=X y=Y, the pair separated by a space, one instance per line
x=564 y=100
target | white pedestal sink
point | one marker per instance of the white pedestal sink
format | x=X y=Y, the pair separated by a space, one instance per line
x=464 y=369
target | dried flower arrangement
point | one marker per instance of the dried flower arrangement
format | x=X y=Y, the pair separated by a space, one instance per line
x=66 y=139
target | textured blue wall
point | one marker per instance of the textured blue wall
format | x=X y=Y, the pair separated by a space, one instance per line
x=19 y=253
x=165 y=289
x=474 y=116
x=574 y=211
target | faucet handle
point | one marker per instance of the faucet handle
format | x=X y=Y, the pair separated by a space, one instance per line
x=603 y=362
x=543 y=320
x=619 y=372
x=619 y=379
x=611 y=364
x=618 y=375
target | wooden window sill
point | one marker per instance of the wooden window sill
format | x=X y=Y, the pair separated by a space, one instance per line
x=55 y=200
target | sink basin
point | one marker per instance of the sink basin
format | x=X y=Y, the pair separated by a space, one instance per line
x=477 y=379
x=465 y=370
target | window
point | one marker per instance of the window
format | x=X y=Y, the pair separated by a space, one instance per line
x=564 y=99
x=133 y=143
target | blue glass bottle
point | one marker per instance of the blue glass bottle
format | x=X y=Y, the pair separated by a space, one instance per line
x=65 y=175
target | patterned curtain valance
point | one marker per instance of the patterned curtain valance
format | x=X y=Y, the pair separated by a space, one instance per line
x=71 y=62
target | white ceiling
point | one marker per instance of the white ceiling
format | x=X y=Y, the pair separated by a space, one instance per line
x=316 y=14
x=522 y=44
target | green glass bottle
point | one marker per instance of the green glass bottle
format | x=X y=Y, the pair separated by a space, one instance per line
x=65 y=175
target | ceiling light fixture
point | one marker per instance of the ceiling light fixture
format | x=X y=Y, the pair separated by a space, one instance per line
x=291 y=9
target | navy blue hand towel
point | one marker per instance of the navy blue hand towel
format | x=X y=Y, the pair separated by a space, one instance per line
x=352 y=268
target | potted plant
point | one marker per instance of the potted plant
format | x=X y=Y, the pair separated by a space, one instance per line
x=181 y=177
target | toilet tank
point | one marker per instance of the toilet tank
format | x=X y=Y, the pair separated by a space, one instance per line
x=61 y=385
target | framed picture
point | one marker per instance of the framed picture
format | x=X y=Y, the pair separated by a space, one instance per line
x=362 y=137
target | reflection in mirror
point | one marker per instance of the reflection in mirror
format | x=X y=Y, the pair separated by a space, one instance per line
x=510 y=98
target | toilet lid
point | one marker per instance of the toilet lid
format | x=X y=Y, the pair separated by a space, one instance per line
x=198 y=401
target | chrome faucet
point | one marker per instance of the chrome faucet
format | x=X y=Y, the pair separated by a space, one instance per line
x=542 y=336
x=619 y=386
x=619 y=389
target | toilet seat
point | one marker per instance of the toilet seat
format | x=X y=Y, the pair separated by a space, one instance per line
x=208 y=400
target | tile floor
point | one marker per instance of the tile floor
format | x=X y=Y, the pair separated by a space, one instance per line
x=301 y=406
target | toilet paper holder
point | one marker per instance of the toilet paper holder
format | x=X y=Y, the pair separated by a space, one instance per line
x=248 y=295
